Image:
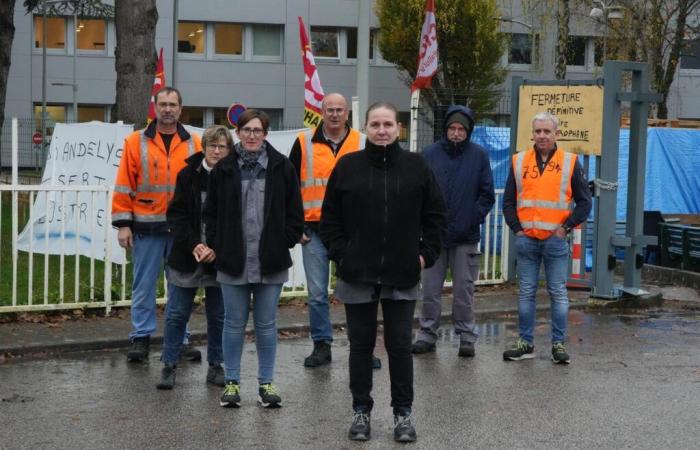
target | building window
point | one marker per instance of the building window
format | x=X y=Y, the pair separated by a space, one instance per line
x=267 y=41
x=228 y=39
x=220 y=117
x=90 y=113
x=690 y=55
x=190 y=37
x=576 y=50
x=521 y=49
x=55 y=34
x=91 y=34
x=351 y=47
x=54 y=114
x=192 y=115
x=324 y=42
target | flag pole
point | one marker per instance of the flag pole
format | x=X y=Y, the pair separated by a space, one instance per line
x=415 y=100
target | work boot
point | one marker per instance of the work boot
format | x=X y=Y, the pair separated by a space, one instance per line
x=190 y=353
x=521 y=350
x=320 y=356
x=215 y=375
x=559 y=355
x=403 y=428
x=360 y=429
x=167 y=377
x=419 y=347
x=466 y=349
x=138 y=351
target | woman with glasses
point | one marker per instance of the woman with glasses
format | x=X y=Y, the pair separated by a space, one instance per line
x=253 y=217
x=190 y=263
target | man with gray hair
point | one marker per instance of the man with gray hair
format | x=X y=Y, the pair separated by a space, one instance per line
x=542 y=183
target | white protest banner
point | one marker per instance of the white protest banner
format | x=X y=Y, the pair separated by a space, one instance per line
x=84 y=154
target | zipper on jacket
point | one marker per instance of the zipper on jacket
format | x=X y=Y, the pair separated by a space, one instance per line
x=155 y=171
x=386 y=218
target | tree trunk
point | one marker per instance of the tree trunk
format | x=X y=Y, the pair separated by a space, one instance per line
x=135 y=58
x=7 y=35
x=562 y=39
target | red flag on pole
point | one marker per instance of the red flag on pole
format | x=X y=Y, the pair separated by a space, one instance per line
x=158 y=83
x=313 y=92
x=428 y=52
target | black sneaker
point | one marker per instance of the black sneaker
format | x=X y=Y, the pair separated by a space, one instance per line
x=466 y=349
x=190 y=353
x=269 y=396
x=403 y=429
x=360 y=429
x=559 y=355
x=138 y=351
x=419 y=347
x=522 y=350
x=320 y=356
x=215 y=375
x=376 y=363
x=167 y=377
x=231 y=396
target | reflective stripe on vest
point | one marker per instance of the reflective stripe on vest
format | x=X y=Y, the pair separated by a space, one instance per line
x=313 y=204
x=150 y=218
x=146 y=185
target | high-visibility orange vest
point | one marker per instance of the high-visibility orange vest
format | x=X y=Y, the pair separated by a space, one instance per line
x=317 y=165
x=145 y=181
x=543 y=200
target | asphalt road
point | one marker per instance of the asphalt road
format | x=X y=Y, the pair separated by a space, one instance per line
x=634 y=382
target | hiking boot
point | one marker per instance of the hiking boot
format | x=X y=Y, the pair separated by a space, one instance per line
x=215 y=375
x=167 y=377
x=320 y=356
x=190 y=353
x=403 y=429
x=419 y=347
x=269 y=396
x=231 y=396
x=360 y=428
x=522 y=350
x=466 y=349
x=376 y=363
x=559 y=355
x=138 y=351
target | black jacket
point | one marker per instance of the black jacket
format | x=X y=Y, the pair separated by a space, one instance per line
x=185 y=215
x=382 y=209
x=283 y=216
x=463 y=171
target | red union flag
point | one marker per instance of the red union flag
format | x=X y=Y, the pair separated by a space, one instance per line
x=158 y=83
x=428 y=53
x=313 y=92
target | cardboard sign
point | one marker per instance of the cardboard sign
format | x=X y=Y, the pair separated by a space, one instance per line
x=578 y=108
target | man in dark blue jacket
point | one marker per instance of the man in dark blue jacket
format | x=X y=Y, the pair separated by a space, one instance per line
x=463 y=171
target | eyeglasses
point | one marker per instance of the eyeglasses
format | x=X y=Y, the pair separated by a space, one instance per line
x=257 y=132
x=337 y=111
x=219 y=147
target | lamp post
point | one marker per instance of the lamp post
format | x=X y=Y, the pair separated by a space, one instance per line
x=606 y=11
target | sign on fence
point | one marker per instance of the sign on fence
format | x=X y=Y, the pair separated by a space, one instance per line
x=578 y=108
x=85 y=154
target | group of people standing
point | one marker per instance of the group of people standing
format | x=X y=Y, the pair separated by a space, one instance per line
x=225 y=215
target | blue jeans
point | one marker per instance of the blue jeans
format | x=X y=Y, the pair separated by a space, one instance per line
x=554 y=252
x=316 y=268
x=237 y=306
x=148 y=258
x=177 y=314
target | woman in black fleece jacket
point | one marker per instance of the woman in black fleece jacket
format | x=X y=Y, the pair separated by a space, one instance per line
x=382 y=220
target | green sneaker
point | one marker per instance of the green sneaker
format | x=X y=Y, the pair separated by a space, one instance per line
x=231 y=396
x=559 y=355
x=522 y=350
x=269 y=396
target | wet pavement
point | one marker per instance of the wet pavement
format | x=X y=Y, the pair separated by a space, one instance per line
x=634 y=382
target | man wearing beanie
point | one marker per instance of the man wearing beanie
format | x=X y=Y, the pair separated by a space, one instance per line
x=463 y=171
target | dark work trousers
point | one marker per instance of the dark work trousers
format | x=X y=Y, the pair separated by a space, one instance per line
x=362 y=333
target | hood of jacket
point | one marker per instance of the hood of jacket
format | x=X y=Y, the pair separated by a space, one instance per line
x=195 y=160
x=450 y=146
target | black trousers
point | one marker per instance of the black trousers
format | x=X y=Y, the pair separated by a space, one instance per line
x=362 y=333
